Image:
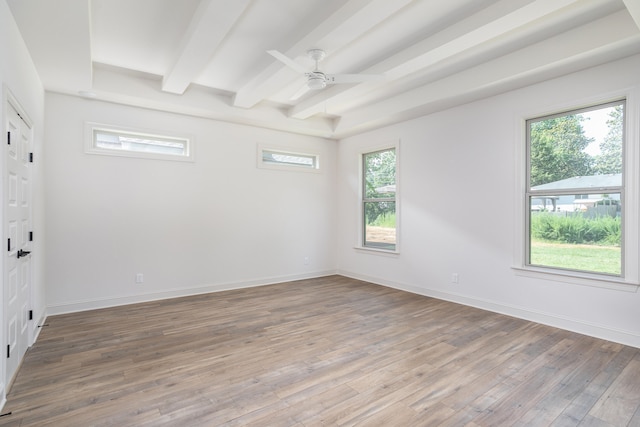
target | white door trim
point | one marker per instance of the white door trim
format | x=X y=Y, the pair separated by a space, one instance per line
x=10 y=102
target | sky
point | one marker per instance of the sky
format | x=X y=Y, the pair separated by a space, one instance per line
x=595 y=126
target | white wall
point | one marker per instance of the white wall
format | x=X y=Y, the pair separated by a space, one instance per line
x=458 y=204
x=19 y=79
x=218 y=223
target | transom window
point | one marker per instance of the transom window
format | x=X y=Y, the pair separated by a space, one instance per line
x=131 y=143
x=290 y=159
x=379 y=199
x=287 y=160
x=575 y=190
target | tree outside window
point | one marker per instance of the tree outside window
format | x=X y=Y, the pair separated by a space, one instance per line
x=379 y=199
x=575 y=190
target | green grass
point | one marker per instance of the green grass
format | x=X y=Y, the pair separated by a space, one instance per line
x=385 y=220
x=591 y=258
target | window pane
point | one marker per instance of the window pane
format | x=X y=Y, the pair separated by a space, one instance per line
x=380 y=225
x=140 y=143
x=380 y=175
x=576 y=145
x=581 y=232
x=292 y=159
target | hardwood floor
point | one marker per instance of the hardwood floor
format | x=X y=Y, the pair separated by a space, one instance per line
x=328 y=351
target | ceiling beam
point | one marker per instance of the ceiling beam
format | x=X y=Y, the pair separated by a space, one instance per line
x=610 y=38
x=486 y=25
x=345 y=24
x=112 y=85
x=633 y=6
x=210 y=24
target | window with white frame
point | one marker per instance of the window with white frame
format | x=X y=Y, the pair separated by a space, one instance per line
x=287 y=160
x=379 y=222
x=575 y=190
x=133 y=143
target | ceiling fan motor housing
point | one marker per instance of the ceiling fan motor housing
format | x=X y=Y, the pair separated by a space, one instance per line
x=316 y=80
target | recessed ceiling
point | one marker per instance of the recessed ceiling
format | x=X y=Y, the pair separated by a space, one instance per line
x=208 y=58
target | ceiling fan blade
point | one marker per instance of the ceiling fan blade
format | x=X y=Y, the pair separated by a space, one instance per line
x=303 y=89
x=287 y=61
x=353 y=78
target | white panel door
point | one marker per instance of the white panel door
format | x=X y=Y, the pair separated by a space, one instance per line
x=17 y=232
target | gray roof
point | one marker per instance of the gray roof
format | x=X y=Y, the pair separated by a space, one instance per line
x=592 y=181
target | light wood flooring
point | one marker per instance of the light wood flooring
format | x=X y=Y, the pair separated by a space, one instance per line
x=320 y=352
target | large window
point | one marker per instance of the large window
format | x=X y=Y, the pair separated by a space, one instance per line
x=575 y=190
x=379 y=199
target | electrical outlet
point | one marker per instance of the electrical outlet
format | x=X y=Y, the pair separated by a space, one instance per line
x=454 y=278
x=306 y=260
x=139 y=278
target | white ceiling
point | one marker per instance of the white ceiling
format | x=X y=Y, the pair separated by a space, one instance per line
x=208 y=57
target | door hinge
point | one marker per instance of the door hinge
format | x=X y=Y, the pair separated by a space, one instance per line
x=31 y=236
x=30 y=157
x=8 y=351
x=8 y=137
x=9 y=245
x=30 y=314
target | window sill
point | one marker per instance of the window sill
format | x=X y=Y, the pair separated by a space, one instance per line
x=576 y=278
x=375 y=251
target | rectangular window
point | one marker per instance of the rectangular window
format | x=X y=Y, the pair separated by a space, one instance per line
x=287 y=160
x=131 y=143
x=379 y=199
x=575 y=190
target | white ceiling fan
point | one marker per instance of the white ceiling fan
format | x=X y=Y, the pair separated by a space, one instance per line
x=317 y=79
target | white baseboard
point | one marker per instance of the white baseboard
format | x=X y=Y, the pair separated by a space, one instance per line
x=38 y=328
x=84 y=305
x=573 y=325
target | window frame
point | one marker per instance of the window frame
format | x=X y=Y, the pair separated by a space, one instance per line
x=262 y=148
x=92 y=128
x=361 y=235
x=628 y=280
x=531 y=193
